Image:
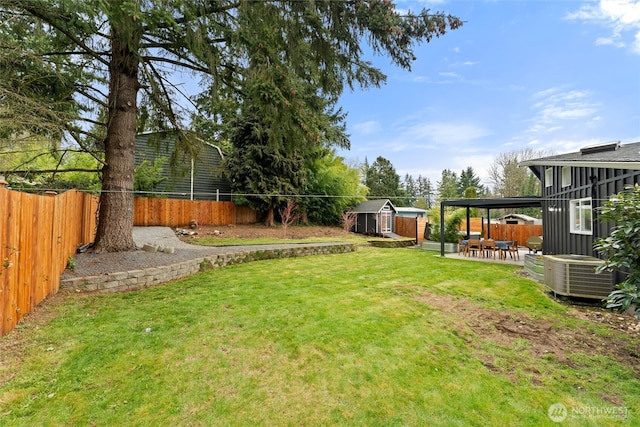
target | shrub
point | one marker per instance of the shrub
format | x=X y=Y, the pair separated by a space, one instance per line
x=621 y=249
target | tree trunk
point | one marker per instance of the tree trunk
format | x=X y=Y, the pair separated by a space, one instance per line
x=270 y=219
x=115 y=220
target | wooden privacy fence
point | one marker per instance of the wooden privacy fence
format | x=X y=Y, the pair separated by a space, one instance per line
x=38 y=234
x=411 y=227
x=414 y=228
x=514 y=232
x=177 y=213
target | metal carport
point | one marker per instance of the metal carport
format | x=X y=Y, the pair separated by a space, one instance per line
x=488 y=204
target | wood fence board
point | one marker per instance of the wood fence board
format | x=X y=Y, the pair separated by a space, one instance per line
x=38 y=234
x=179 y=213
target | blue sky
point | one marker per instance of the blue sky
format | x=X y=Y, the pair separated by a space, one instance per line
x=548 y=75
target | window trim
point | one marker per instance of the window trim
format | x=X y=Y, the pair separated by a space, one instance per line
x=566 y=176
x=548 y=177
x=580 y=206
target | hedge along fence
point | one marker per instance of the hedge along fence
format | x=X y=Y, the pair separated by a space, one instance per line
x=38 y=234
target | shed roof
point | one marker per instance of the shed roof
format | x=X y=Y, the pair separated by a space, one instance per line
x=410 y=209
x=373 y=206
x=519 y=216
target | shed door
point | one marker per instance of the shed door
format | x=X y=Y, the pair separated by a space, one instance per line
x=385 y=220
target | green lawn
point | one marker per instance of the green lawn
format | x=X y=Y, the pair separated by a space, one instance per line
x=379 y=337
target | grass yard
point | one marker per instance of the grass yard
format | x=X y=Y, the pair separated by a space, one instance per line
x=380 y=337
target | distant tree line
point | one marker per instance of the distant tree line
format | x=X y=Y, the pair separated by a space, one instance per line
x=506 y=179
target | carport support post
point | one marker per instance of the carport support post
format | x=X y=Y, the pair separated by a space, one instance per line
x=468 y=225
x=442 y=229
x=488 y=223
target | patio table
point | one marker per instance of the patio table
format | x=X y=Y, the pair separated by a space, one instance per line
x=503 y=245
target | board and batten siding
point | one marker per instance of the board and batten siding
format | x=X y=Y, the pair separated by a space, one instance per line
x=600 y=184
x=208 y=182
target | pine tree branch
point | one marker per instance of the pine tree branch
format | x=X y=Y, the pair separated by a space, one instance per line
x=45 y=17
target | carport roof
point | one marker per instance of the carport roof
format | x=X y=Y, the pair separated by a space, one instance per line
x=504 y=203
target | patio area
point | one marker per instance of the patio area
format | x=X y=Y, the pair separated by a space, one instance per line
x=522 y=251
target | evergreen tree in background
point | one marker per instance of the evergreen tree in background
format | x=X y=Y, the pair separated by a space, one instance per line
x=448 y=186
x=411 y=190
x=425 y=193
x=469 y=179
x=383 y=182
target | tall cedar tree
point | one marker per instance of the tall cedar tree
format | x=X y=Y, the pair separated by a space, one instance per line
x=128 y=46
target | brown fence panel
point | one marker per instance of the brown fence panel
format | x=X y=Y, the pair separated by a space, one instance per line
x=37 y=236
x=178 y=213
x=411 y=227
x=514 y=232
x=406 y=227
x=245 y=215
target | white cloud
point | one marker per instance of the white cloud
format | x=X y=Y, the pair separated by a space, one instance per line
x=555 y=106
x=458 y=134
x=621 y=16
x=604 y=41
x=368 y=127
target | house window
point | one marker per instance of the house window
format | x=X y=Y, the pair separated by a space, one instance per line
x=580 y=210
x=566 y=176
x=548 y=177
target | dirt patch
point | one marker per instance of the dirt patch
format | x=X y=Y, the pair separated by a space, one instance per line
x=543 y=337
x=256 y=231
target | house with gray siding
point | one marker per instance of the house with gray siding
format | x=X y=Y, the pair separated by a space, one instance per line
x=192 y=176
x=574 y=186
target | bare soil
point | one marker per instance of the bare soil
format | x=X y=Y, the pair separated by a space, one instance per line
x=544 y=338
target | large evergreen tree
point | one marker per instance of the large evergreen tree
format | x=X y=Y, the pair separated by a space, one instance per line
x=448 y=186
x=383 y=182
x=469 y=179
x=268 y=175
x=233 y=47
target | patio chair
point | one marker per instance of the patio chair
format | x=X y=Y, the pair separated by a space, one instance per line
x=489 y=246
x=462 y=246
x=512 y=250
x=473 y=246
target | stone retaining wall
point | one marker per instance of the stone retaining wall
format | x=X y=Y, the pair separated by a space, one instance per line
x=139 y=279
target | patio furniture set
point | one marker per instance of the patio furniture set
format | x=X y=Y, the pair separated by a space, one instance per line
x=486 y=248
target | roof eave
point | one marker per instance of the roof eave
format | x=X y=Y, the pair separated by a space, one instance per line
x=583 y=163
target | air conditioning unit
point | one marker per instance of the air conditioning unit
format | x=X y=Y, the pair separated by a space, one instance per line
x=575 y=276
